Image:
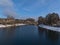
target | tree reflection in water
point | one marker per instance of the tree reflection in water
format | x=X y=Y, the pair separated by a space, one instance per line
x=9 y=35
x=54 y=36
x=10 y=32
x=48 y=37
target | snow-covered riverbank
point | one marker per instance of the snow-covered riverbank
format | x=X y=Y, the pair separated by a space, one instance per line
x=3 y=26
x=50 y=28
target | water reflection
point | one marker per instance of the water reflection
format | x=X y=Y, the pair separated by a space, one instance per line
x=54 y=36
x=28 y=35
x=49 y=37
x=10 y=32
x=50 y=34
x=7 y=35
x=41 y=29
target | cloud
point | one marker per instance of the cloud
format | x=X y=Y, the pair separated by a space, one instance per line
x=9 y=12
x=8 y=7
x=6 y=3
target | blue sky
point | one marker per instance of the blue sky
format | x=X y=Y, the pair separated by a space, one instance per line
x=28 y=8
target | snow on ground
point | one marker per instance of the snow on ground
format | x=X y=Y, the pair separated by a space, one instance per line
x=50 y=27
x=2 y=26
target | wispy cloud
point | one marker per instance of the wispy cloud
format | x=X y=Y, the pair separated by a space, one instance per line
x=8 y=7
x=6 y=3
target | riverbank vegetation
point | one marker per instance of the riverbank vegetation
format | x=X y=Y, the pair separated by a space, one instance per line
x=12 y=21
x=51 y=19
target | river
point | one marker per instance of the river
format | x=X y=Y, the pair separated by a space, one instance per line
x=28 y=35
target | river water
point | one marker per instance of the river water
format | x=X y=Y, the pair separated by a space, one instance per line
x=28 y=35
